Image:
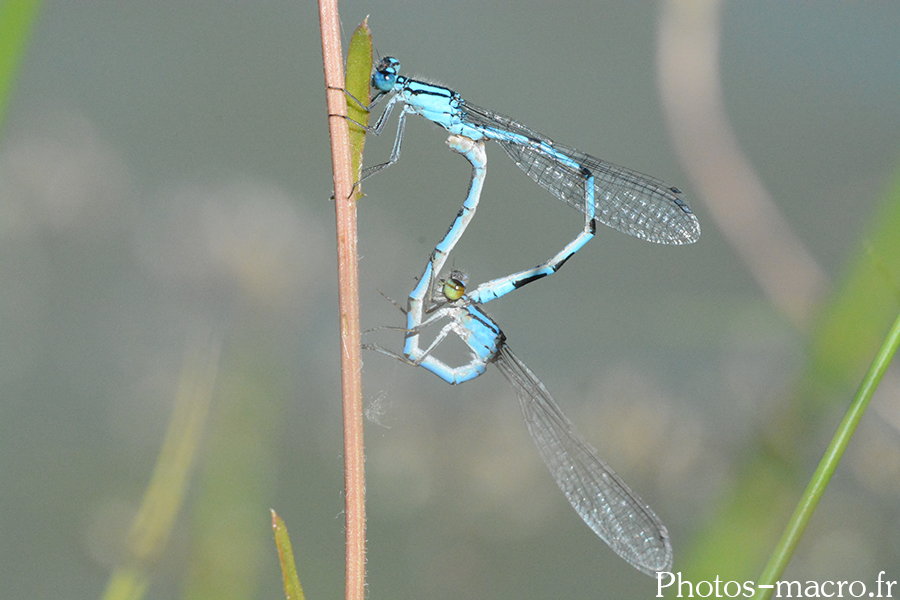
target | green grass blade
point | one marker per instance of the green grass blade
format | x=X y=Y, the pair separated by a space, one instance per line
x=162 y=501
x=852 y=325
x=16 y=22
x=797 y=525
x=292 y=588
x=227 y=527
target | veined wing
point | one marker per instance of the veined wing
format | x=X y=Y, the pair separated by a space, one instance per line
x=597 y=494
x=626 y=200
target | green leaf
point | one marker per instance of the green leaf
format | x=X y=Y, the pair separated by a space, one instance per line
x=292 y=588
x=16 y=20
x=165 y=493
x=846 y=337
x=820 y=479
x=359 y=72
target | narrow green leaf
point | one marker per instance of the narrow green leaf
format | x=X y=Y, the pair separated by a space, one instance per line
x=164 y=496
x=798 y=522
x=359 y=72
x=292 y=588
x=16 y=20
x=866 y=302
x=130 y=583
x=237 y=475
x=849 y=330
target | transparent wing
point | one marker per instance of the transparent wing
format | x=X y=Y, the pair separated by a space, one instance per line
x=626 y=200
x=597 y=494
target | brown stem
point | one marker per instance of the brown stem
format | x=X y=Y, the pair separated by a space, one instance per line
x=348 y=298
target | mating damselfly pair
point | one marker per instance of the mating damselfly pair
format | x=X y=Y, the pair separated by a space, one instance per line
x=623 y=199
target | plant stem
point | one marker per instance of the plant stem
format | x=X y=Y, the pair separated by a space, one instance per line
x=348 y=298
x=797 y=525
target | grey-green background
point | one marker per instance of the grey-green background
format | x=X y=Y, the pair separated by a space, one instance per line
x=165 y=173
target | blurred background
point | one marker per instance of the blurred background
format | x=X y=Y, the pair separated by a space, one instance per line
x=165 y=178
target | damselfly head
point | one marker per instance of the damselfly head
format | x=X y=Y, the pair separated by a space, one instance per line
x=454 y=286
x=385 y=75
